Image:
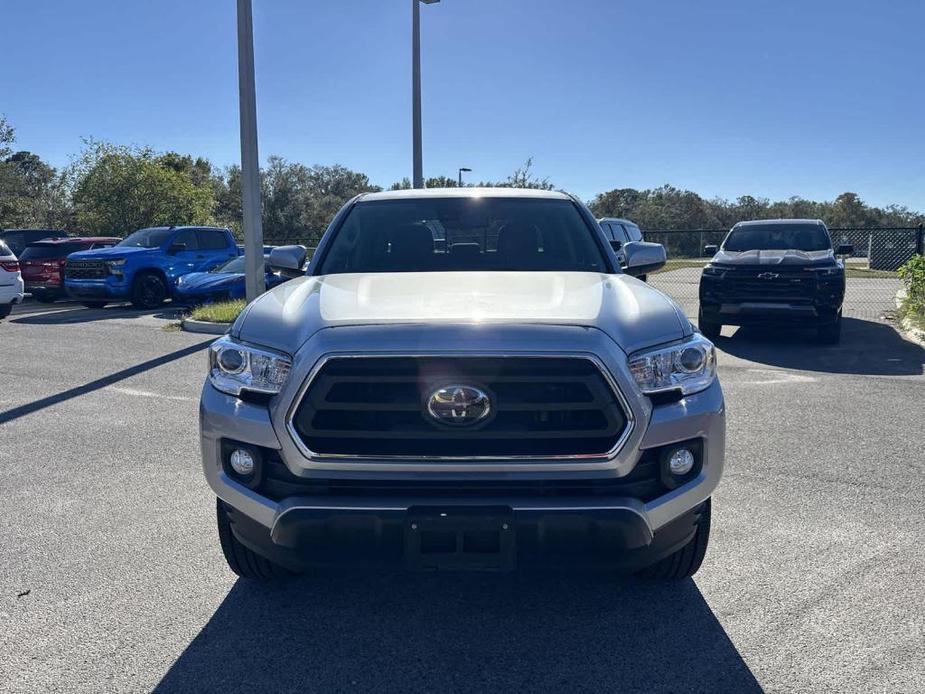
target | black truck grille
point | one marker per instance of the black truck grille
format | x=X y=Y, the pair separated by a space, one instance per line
x=540 y=407
x=85 y=270
x=767 y=285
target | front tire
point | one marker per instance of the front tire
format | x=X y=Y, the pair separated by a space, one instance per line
x=830 y=334
x=148 y=291
x=93 y=304
x=710 y=330
x=5 y=310
x=684 y=562
x=243 y=561
x=44 y=298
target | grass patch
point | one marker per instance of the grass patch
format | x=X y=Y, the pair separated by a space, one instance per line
x=678 y=264
x=864 y=273
x=221 y=312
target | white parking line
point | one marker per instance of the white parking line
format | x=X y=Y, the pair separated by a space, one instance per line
x=776 y=376
x=149 y=394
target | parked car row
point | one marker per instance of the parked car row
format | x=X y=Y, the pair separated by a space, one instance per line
x=188 y=264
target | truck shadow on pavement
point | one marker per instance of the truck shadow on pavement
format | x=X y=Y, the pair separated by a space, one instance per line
x=462 y=632
x=866 y=347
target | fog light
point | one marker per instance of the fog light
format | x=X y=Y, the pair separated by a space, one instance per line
x=242 y=462
x=680 y=463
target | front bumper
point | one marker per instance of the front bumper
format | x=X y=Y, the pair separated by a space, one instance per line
x=109 y=288
x=301 y=528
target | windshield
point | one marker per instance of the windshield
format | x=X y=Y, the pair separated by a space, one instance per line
x=778 y=237
x=41 y=251
x=237 y=265
x=453 y=234
x=145 y=238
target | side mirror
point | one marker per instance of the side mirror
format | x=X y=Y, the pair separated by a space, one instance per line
x=288 y=260
x=176 y=248
x=616 y=245
x=643 y=257
x=710 y=250
x=845 y=249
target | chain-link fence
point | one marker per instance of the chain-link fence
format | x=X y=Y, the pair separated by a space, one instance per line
x=871 y=270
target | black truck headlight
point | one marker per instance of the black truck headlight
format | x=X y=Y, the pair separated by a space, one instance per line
x=235 y=368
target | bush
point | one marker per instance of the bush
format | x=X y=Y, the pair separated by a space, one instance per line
x=913 y=276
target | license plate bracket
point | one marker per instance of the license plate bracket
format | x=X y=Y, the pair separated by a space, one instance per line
x=460 y=539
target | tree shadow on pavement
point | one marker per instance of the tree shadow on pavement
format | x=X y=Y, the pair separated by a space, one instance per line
x=64 y=314
x=866 y=347
x=462 y=632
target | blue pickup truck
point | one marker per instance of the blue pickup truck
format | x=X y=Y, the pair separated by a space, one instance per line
x=145 y=266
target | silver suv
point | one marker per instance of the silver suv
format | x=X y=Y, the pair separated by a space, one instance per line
x=465 y=379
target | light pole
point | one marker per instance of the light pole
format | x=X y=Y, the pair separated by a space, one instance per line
x=461 y=170
x=250 y=164
x=418 y=179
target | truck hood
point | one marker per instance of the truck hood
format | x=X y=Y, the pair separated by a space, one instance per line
x=774 y=258
x=631 y=312
x=112 y=252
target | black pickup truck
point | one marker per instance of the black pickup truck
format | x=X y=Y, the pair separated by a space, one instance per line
x=781 y=272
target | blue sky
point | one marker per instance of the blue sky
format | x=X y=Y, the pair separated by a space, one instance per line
x=724 y=97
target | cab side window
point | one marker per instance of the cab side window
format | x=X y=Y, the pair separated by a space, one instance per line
x=634 y=232
x=211 y=240
x=188 y=239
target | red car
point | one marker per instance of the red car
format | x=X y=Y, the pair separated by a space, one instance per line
x=42 y=263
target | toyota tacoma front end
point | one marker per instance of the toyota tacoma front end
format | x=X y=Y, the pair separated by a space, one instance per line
x=465 y=379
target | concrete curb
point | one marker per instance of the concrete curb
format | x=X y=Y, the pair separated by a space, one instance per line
x=911 y=332
x=205 y=327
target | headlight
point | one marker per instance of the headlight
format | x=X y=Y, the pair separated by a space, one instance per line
x=234 y=368
x=115 y=266
x=713 y=271
x=826 y=271
x=689 y=366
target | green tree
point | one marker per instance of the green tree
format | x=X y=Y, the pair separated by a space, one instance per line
x=7 y=137
x=117 y=189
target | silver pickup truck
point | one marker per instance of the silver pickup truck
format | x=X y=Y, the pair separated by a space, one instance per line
x=464 y=379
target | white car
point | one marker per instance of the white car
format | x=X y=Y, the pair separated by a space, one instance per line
x=11 y=287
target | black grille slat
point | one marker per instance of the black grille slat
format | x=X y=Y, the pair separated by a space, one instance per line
x=85 y=269
x=542 y=407
x=744 y=285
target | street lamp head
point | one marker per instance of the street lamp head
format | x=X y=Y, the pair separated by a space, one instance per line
x=430 y=2
x=465 y=170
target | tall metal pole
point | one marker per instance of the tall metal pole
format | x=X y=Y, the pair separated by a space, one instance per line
x=250 y=164
x=418 y=178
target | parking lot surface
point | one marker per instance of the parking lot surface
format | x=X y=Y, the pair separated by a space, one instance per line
x=111 y=578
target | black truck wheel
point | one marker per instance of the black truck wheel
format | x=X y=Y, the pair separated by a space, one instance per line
x=148 y=290
x=709 y=329
x=244 y=562
x=684 y=562
x=830 y=334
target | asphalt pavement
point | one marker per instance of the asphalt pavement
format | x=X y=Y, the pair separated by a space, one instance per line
x=111 y=579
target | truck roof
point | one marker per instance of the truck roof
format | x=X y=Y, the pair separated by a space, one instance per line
x=759 y=222
x=465 y=192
